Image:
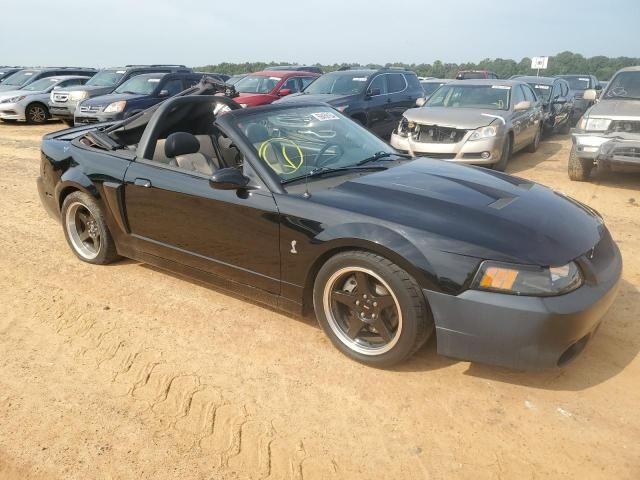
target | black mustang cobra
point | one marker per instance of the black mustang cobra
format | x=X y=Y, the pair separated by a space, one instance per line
x=299 y=207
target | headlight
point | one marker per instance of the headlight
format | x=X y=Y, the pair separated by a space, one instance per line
x=484 y=132
x=527 y=280
x=595 y=124
x=116 y=107
x=14 y=99
x=405 y=127
x=342 y=108
x=77 y=96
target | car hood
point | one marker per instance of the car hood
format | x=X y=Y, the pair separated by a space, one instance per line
x=472 y=211
x=329 y=98
x=13 y=93
x=616 y=109
x=464 y=118
x=94 y=90
x=110 y=98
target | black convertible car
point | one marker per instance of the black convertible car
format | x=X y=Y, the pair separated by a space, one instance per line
x=299 y=207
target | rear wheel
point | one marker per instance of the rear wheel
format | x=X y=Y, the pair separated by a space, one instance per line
x=86 y=230
x=371 y=309
x=36 y=113
x=579 y=168
x=501 y=165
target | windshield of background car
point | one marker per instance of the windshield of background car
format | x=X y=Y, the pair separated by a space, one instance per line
x=296 y=141
x=339 y=84
x=624 y=85
x=106 y=78
x=256 y=84
x=430 y=87
x=20 y=78
x=543 y=91
x=140 y=85
x=40 y=85
x=577 y=83
x=490 y=97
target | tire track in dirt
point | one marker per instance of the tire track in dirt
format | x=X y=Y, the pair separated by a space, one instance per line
x=234 y=436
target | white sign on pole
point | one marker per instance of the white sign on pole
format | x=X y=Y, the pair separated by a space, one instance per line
x=539 y=62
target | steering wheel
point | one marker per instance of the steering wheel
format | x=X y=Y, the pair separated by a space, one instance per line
x=283 y=164
x=337 y=156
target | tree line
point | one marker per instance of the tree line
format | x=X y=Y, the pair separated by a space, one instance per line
x=566 y=62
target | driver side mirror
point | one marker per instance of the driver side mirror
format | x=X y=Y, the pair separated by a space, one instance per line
x=421 y=101
x=163 y=93
x=372 y=92
x=560 y=100
x=590 y=94
x=228 y=179
x=523 y=105
x=284 y=92
x=598 y=87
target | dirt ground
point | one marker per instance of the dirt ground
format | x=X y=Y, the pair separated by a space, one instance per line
x=126 y=372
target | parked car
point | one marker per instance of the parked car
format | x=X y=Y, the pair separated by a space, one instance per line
x=374 y=98
x=29 y=104
x=24 y=77
x=6 y=72
x=64 y=102
x=577 y=86
x=557 y=102
x=263 y=88
x=475 y=74
x=301 y=208
x=136 y=94
x=608 y=135
x=482 y=122
x=431 y=85
x=297 y=68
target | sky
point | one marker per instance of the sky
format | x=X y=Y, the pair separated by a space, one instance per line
x=201 y=32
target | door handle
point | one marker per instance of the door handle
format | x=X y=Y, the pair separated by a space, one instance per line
x=142 y=182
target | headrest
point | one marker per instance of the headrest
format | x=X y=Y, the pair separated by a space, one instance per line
x=180 y=143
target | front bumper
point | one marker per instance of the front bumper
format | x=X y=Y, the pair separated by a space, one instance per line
x=478 y=152
x=64 y=111
x=12 y=111
x=521 y=332
x=82 y=118
x=620 y=149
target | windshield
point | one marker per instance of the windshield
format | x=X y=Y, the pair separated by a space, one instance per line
x=490 y=97
x=543 y=91
x=338 y=83
x=256 y=84
x=624 y=85
x=299 y=140
x=141 y=85
x=40 y=85
x=20 y=78
x=106 y=78
x=430 y=87
x=577 y=83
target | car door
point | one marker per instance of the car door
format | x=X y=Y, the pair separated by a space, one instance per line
x=377 y=102
x=401 y=97
x=175 y=214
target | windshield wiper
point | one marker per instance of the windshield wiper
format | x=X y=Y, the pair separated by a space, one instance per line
x=382 y=155
x=325 y=170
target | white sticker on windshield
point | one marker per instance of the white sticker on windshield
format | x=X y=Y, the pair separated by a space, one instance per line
x=153 y=80
x=277 y=79
x=542 y=87
x=359 y=79
x=324 y=116
x=28 y=74
x=583 y=79
x=120 y=71
x=501 y=87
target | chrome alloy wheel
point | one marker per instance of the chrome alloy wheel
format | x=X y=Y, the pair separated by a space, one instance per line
x=83 y=231
x=362 y=310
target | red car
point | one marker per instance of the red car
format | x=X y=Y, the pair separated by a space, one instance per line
x=263 y=88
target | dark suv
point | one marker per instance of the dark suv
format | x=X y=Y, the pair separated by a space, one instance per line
x=24 y=77
x=136 y=94
x=63 y=102
x=578 y=83
x=375 y=98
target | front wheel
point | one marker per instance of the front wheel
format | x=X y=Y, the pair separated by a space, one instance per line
x=501 y=165
x=86 y=230
x=533 y=146
x=579 y=168
x=371 y=309
x=36 y=113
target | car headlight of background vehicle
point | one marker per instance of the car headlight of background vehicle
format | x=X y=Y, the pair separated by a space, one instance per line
x=526 y=279
x=77 y=96
x=484 y=132
x=14 y=99
x=116 y=107
x=405 y=127
x=595 y=124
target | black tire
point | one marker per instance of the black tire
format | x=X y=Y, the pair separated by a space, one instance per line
x=414 y=322
x=69 y=123
x=533 y=146
x=100 y=252
x=505 y=155
x=579 y=168
x=37 y=113
x=566 y=128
